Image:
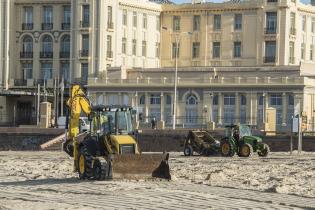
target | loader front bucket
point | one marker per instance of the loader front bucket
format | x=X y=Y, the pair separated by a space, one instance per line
x=141 y=166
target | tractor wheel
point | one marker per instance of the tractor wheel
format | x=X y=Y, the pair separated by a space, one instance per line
x=264 y=151
x=188 y=150
x=99 y=169
x=227 y=149
x=85 y=162
x=246 y=150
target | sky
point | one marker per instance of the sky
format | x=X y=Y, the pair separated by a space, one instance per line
x=188 y=1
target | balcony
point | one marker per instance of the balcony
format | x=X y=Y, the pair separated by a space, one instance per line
x=84 y=53
x=47 y=26
x=20 y=82
x=110 y=25
x=272 y=1
x=84 y=24
x=26 y=54
x=292 y=31
x=109 y=54
x=65 y=26
x=46 y=54
x=270 y=30
x=27 y=26
x=269 y=59
x=64 y=54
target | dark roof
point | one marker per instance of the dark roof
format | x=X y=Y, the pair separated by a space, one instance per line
x=162 y=1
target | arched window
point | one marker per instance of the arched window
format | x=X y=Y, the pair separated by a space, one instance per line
x=28 y=44
x=65 y=44
x=191 y=100
x=47 y=44
x=243 y=100
x=142 y=100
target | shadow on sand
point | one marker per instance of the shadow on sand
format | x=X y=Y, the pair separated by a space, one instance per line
x=48 y=181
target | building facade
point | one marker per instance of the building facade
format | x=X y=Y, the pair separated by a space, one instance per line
x=235 y=60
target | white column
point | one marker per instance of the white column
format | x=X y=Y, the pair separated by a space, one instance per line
x=207 y=106
x=147 y=104
x=237 y=108
x=220 y=109
x=105 y=101
x=119 y=98
x=7 y=42
x=248 y=108
x=266 y=105
x=284 y=109
x=162 y=107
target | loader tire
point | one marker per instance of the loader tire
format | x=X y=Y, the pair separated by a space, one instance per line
x=227 y=149
x=265 y=151
x=188 y=151
x=85 y=164
x=99 y=169
x=246 y=150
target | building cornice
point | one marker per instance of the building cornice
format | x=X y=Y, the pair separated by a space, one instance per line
x=145 y=6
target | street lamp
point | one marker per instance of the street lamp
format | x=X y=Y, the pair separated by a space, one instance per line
x=177 y=39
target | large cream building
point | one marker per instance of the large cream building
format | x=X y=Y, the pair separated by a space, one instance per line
x=235 y=59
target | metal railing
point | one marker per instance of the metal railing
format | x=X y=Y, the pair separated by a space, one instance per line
x=65 y=26
x=84 y=24
x=64 y=54
x=46 y=54
x=26 y=54
x=109 y=54
x=270 y=30
x=110 y=25
x=27 y=26
x=47 y=26
x=20 y=82
x=84 y=53
x=269 y=59
x=292 y=31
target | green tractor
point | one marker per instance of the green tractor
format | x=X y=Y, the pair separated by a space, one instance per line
x=239 y=139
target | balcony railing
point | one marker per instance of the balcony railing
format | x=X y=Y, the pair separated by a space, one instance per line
x=65 y=26
x=26 y=54
x=27 y=26
x=292 y=31
x=64 y=54
x=109 y=54
x=84 y=24
x=47 y=26
x=269 y=59
x=110 y=25
x=20 y=82
x=270 y=30
x=84 y=53
x=272 y=1
x=46 y=54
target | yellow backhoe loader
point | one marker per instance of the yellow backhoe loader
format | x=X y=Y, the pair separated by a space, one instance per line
x=109 y=148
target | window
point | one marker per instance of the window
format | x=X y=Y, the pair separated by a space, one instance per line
x=47 y=45
x=28 y=15
x=27 y=44
x=134 y=47
x=192 y=100
x=85 y=42
x=237 y=49
x=65 y=46
x=261 y=100
x=292 y=22
x=291 y=51
x=67 y=14
x=157 y=49
x=155 y=99
x=46 y=71
x=303 y=51
x=229 y=99
x=238 y=22
x=291 y=100
x=271 y=22
x=109 y=46
x=112 y=99
x=217 y=22
x=176 y=23
x=84 y=72
x=215 y=100
x=196 y=24
x=142 y=100
x=311 y=52
x=216 y=49
x=175 y=50
x=196 y=49
x=229 y=115
x=134 y=19
x=110 y=17
x=275 y=99
x=124 y=46
x=313 y=24
x=144 y=48
x=27 y=69
x=145 y=21
x=270 y=51
x=304 y=23
x=243 y=100
x=48 y=14
x=86 y=14
x=158 y=23
x=168 y=99
x=65 y=71
x=124 y=19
